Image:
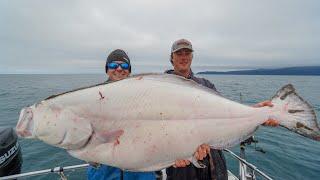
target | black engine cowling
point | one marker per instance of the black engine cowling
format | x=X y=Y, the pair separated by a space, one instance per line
x=10 y=152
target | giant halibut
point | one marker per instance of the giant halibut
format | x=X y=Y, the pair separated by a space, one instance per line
x=146 y=122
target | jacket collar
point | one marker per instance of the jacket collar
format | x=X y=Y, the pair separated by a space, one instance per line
x=171 y=71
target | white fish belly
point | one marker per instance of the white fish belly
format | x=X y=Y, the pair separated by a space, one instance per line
x=154 y=145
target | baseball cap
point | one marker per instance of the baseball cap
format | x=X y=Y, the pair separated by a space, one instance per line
x=181 y=44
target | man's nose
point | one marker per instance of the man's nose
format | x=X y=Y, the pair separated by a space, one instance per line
x=119 y=68
x=184 y=57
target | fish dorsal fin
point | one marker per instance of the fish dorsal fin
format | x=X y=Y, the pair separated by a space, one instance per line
x=99 y=84
x=172 y=78
x=161 y=77
x=86 y=87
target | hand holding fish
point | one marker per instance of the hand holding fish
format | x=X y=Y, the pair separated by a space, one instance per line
x=269 y=122
x=181 y=163
x=202 y=151
x=264 y=103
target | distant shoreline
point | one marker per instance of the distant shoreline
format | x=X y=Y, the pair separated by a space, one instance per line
x=288 y=71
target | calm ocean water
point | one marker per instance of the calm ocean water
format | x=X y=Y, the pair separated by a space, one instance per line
x=288 y=155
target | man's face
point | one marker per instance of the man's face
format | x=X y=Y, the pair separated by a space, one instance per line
x=118 y=73
x=182 y=60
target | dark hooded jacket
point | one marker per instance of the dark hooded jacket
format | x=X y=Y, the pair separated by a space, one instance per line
x=216 y=168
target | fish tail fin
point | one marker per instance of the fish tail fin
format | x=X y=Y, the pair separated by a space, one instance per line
x=295 y=113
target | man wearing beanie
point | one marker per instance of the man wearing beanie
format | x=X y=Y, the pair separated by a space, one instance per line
x=117 y=67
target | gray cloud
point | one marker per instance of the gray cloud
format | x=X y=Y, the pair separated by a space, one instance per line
x=75 y=36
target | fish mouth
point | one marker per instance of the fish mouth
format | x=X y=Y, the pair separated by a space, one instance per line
x=25 y=124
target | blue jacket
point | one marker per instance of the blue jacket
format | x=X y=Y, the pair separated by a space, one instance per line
x=104 y=172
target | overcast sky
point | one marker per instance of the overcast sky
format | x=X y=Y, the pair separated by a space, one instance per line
x=42 y=36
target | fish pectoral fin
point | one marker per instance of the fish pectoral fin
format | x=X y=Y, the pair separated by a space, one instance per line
x=197 y=163
x=109 y=136
x=76 y=134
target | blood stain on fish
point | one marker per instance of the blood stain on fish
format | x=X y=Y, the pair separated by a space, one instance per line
x=117 y=142
x=101 y=96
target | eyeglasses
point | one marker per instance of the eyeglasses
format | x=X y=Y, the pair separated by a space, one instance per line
x=114 y=65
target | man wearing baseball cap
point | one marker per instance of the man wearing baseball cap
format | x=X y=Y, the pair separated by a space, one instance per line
x=214 y=161
x=117 y=67
x=181 y=59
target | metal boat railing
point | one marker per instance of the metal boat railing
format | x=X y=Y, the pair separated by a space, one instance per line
x=59 y=170
x=244 y=174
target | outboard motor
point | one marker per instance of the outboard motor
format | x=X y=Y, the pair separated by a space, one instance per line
x=10 y=152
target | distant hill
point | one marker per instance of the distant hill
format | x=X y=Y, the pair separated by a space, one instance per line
x=302 y=71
